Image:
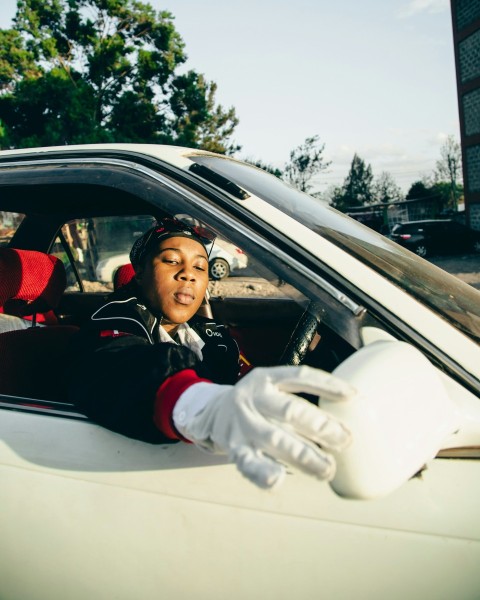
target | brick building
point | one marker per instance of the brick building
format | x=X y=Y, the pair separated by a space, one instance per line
x=466 y=39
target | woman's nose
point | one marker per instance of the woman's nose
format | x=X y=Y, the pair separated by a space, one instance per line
x=187 y=273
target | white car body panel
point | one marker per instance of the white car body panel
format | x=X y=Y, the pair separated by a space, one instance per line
x=159 y=527
x=106 y=268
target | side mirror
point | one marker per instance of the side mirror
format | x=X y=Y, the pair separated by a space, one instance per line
x=399 y=419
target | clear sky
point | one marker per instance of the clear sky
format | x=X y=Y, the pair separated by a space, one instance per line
x=375 y=77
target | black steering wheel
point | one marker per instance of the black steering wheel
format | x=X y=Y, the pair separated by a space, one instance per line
x=302 y=336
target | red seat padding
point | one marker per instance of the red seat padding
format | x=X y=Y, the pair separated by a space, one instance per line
x=33 y=361
x=30 y=282
x=123 y=275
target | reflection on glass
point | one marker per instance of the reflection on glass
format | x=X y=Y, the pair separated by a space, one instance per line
x=455 y=300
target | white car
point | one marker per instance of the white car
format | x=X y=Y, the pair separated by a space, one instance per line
x=88 y=513
x=107 y=267
x=225 y=257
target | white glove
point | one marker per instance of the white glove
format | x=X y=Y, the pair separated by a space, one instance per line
x=259 y=422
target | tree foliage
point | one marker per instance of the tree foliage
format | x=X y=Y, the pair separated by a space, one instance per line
x=386 y=190
x=306 y=161
x=419 y=190
x=265 y=166
x=439 y=192
x=449 y=169
x=80 y=71
x=357 y=189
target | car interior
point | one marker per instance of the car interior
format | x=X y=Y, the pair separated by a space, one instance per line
x=295 y=322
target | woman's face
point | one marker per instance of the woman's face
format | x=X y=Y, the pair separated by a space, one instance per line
x=174 y=280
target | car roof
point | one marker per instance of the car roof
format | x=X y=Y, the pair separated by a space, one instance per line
x=175 y=155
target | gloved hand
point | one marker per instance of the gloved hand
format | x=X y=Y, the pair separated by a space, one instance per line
x=259 y=423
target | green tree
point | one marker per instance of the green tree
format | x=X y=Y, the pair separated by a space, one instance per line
x=357 y=189
x=436 y=193
x=335 y=197
x=449 y=169
x=386 y=190
x=442 y=191
x=419 y=190
x=80 y=71
x=306 y=161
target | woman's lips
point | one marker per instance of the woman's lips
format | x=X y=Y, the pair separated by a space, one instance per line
x=184 y=296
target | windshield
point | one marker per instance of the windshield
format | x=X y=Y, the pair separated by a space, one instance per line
x=455 y=300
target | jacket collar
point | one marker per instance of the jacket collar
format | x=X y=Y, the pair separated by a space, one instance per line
x=128 y=315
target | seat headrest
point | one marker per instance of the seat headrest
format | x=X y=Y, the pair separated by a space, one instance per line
x=30 y=282
x=123 y=275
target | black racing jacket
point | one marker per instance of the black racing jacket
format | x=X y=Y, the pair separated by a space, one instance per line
x=119 y=362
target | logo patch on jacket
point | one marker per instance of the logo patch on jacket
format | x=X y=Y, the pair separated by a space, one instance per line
x=113 y=333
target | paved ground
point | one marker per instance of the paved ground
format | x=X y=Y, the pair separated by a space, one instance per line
x=465 y=267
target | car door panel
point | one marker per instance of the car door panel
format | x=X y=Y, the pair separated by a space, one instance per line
x=94 y=490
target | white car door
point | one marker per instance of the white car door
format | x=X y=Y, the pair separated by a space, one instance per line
x=90 y=513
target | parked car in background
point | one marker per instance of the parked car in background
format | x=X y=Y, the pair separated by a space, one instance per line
x=430 y=237
x=224 y=258
x=107 y=267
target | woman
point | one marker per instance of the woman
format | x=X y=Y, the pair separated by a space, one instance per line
x=151 y=369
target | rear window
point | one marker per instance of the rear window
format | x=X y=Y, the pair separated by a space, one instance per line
x=402 y=228
x=9 y=223
x=98 y=247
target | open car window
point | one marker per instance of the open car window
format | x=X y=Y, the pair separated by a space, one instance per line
x=259 y=301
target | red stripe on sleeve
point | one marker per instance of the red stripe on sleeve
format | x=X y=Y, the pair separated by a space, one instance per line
x=166 y=398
